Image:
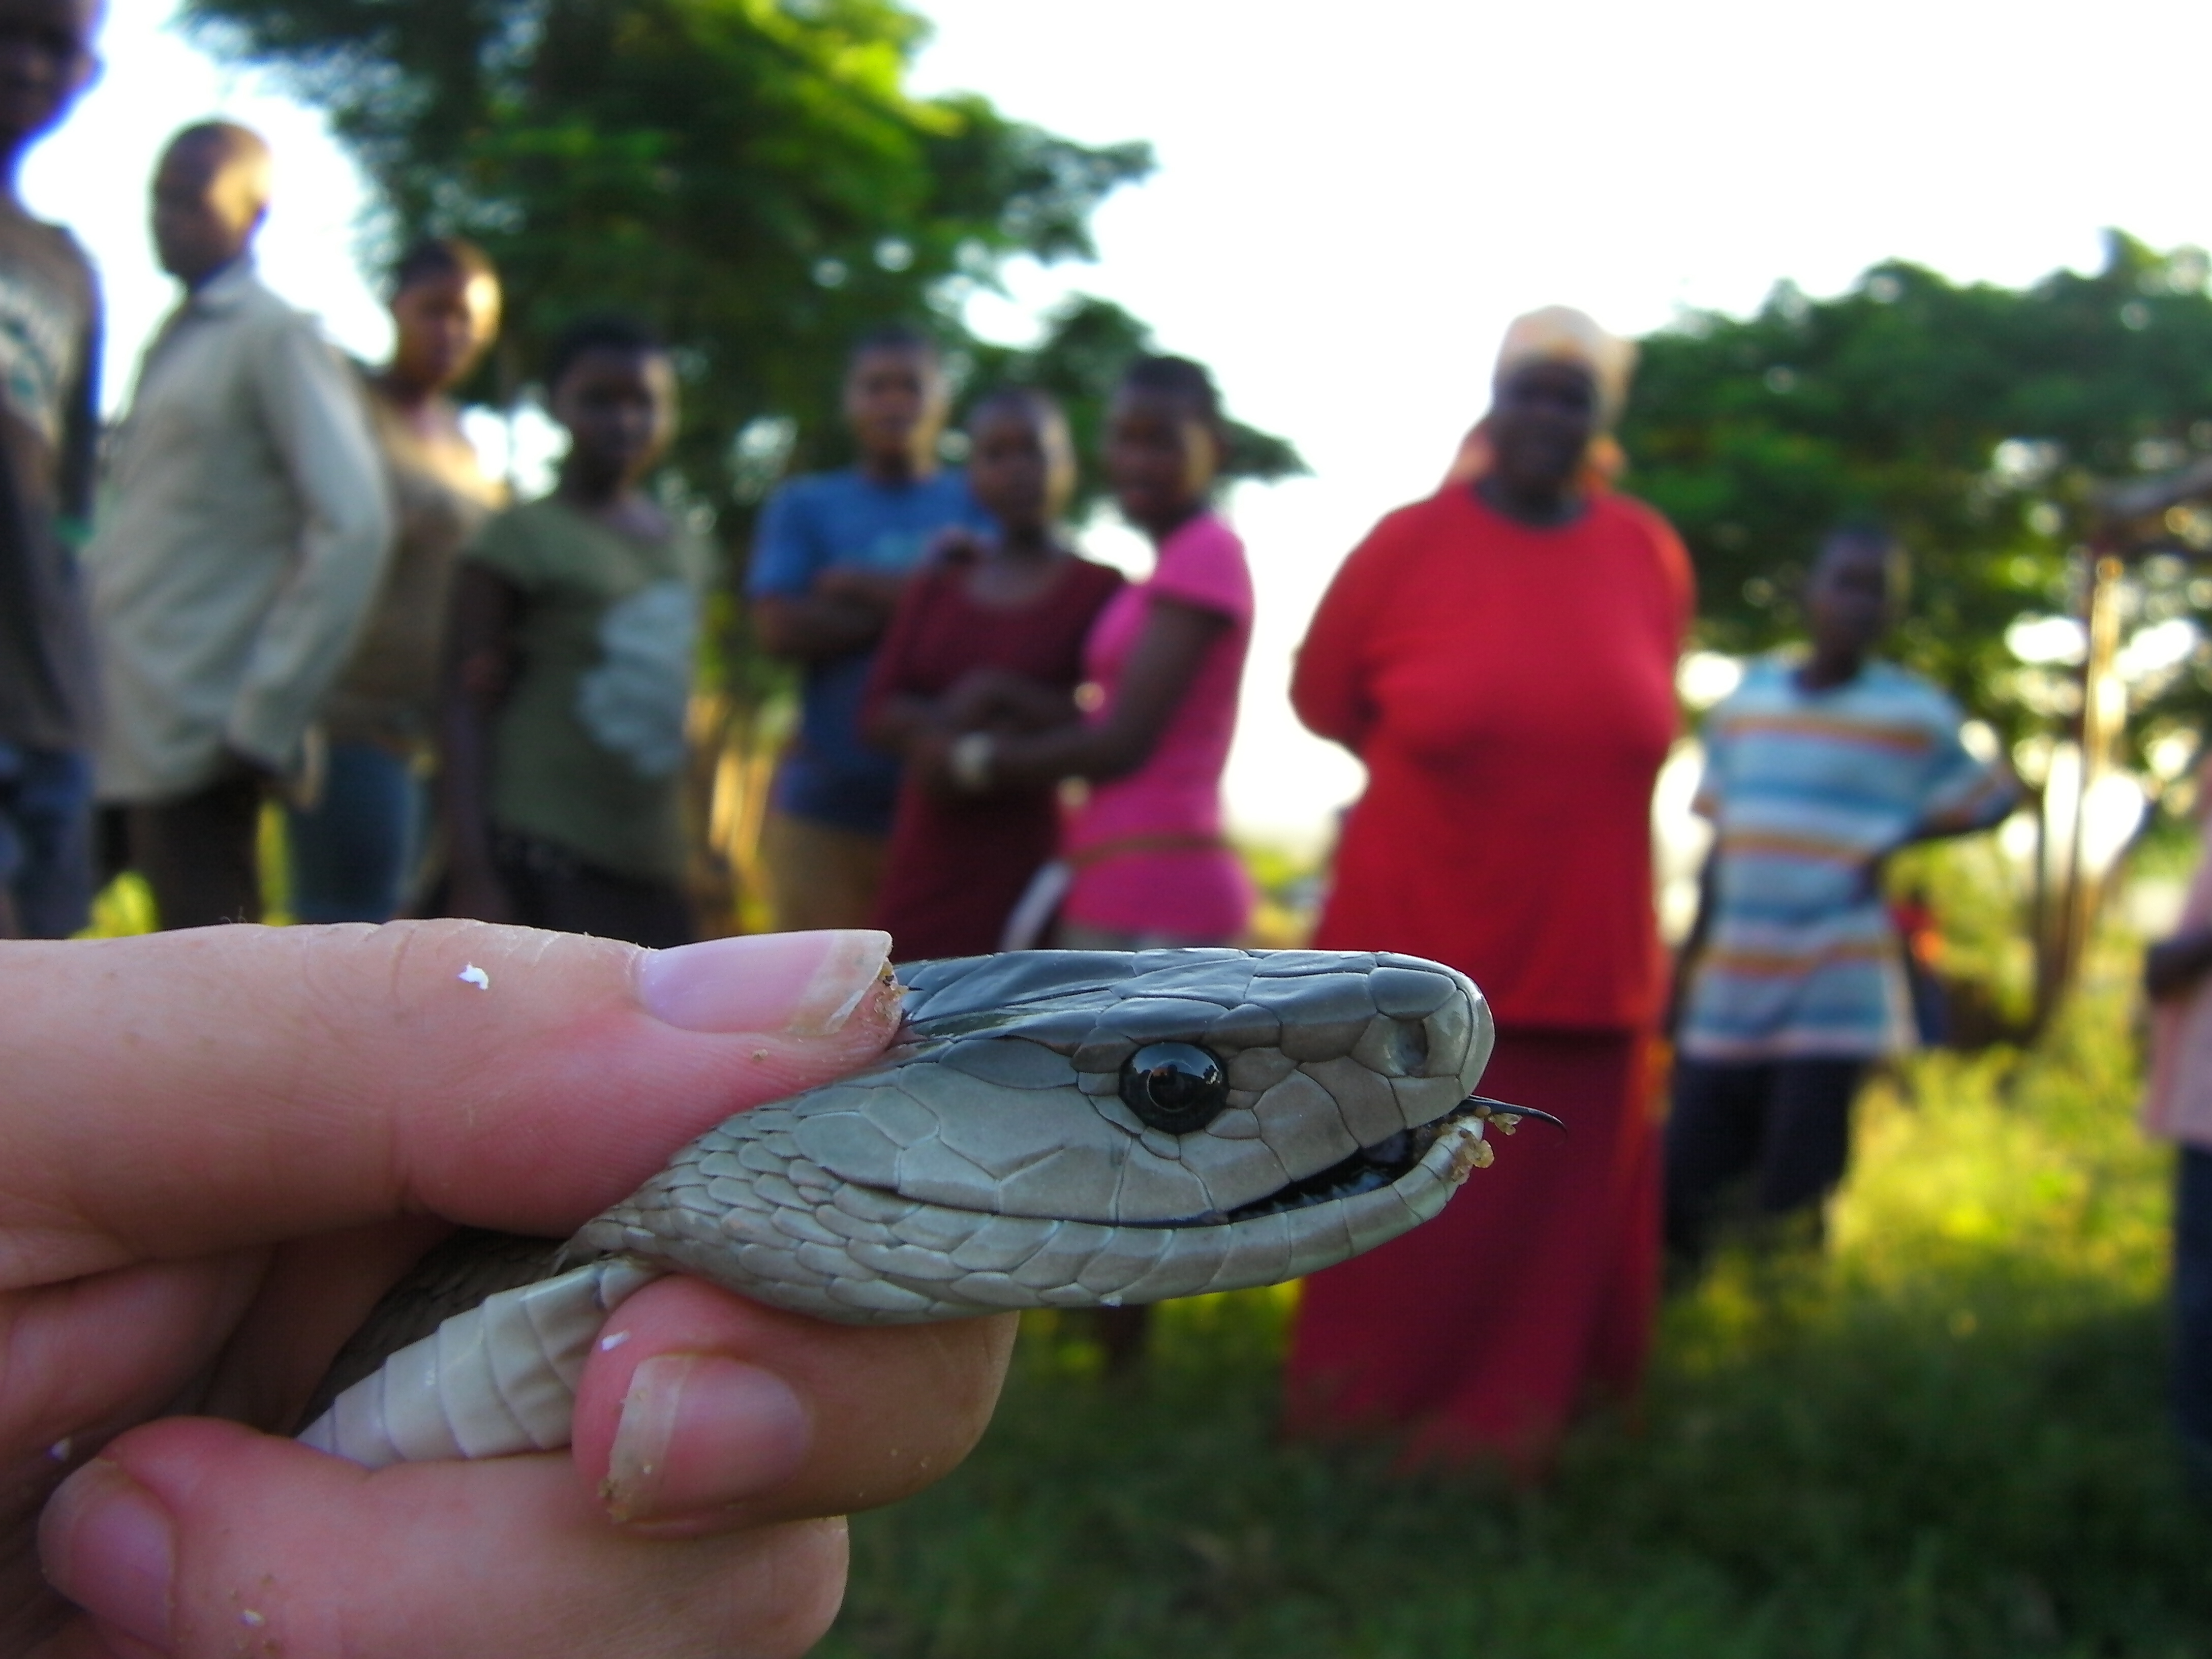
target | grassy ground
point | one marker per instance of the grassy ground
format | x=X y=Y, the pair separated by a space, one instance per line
x=1945 y=1438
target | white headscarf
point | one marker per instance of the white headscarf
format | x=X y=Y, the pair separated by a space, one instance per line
x=1563 y=334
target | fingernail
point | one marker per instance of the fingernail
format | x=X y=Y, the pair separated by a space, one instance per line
x=800 y=984
x=107 y=1546
x=698 y=1433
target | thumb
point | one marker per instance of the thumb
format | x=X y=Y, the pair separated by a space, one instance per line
x=195 y=1093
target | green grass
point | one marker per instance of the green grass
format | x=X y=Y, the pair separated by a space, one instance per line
x=1946 y=1437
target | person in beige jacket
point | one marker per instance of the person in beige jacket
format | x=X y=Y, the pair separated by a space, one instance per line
x=242 y=534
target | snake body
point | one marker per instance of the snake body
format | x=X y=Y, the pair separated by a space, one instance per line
x=1053 y=1129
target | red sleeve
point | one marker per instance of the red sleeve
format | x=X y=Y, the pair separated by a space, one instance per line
x=1328 y=682
x=891 y=673
x=1678 y=580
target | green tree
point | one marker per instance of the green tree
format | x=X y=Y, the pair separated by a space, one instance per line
x=751 y=174
x=1973 y=418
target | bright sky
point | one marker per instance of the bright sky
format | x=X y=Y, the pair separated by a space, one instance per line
x=1352 y=201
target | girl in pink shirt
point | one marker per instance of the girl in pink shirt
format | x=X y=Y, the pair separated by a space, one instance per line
x=1149 y=864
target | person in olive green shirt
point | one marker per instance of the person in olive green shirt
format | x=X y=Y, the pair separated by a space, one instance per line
x=574 y=633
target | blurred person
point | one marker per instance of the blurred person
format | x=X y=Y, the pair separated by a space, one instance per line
x=1920 y=934
x=243 y=533
x=832 y=557
x=1818 y=767
x=355 y=849
x=2178 y=1107
x=1501 y=657
x=1018 y=602
x=1146 y=863
x=1144 y=860
x=308 y=1110
x=49 y=439
x=573 y=647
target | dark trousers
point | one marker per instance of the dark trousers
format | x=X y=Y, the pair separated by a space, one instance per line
x=1787 y=1124
x=196 y=853
x=551 y=888
x=46 y=841
x=354 y=855
x=2192 y=1307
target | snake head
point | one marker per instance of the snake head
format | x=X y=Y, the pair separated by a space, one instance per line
x=1152 y=1087
x=1292 y=1106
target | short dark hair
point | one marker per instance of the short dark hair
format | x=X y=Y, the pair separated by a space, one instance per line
x=231 y=137
x=605 y=331
x=434 y=257
x=1860 y=529
x=1035 y=399
x=903 y=337
x=1177 y=377
x=1863 y=530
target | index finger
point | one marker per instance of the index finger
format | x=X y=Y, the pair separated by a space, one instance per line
x=190 y=1092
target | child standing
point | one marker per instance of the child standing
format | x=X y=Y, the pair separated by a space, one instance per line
x=1018 y=603
x=1150 y=864
x=2178 y=1107
x=833 y=554
x=49 y=434
x=1816 y=770
x=574 y=630
x=354 y=851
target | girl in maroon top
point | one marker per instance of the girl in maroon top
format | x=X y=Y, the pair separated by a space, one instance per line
x=1021 y=604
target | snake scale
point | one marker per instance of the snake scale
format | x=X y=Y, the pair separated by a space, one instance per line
x=1051 y=1129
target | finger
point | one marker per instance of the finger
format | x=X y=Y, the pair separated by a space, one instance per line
x=199 y=1539
x=85 y=1357
x=193 y=1092
x=700 y=1411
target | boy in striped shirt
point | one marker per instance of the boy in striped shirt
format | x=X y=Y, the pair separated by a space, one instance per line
x=1819 y=766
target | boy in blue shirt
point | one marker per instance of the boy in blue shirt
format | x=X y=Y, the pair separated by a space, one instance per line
x=832 y=555
x=1818 y=768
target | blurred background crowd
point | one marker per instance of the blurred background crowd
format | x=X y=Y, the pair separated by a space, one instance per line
x=1745 y=708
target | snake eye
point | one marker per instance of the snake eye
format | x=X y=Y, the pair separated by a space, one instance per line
x=1174 y=1087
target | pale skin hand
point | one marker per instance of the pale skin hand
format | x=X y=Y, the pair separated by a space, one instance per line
x=223 y=1144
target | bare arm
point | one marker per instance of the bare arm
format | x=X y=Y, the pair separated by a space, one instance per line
x=313 y=416
x=478 y=670
x=847 y=610
x=921 y=730
x=997 y=700
x=1693 y=946
x=1158 y=674
x=897 y=723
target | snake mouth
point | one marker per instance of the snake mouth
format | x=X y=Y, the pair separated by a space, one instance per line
x=1371 y=1168
x=1451 y=1146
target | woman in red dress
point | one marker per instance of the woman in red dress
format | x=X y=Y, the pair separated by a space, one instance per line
x=1501 y=656
x=1019 y=605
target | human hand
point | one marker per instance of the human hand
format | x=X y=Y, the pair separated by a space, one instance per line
x=873 y=590
x=926 y=760
x=972 y=703
x=999 y=700
x=486 y=676
x=224 y=1144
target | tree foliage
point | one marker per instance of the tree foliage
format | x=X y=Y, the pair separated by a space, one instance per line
x=751 y=174
x=1972 y=418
